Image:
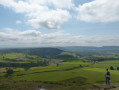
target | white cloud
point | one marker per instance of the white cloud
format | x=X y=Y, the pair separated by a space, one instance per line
x=56 y=3
x=34 y=38
x=99 y=11
x=29 y=38
x=39 y=12
x=18 y=22
x=62 y=3
x=51 y=19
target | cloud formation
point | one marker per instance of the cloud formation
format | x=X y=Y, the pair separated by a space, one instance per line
x=41 y=13
x=34 y=38
x=99 y=11
x=51 y=14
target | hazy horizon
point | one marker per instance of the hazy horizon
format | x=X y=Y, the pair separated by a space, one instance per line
x=56 y=47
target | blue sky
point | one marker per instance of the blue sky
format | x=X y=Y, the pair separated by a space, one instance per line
x=34 y=23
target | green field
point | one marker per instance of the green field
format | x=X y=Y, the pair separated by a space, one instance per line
x=54 y=73
x=66 y=71
x=70 y=74
x=107 y=64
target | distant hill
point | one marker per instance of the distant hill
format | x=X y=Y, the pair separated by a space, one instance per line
x=89 y=51
x=58 y=52
x=43 y=52
x=89 y=48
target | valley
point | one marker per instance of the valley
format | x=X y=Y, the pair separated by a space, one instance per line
x=56 y=69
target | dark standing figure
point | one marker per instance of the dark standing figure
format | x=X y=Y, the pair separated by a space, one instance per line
x=107 y=75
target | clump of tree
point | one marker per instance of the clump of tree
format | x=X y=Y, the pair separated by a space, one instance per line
x=42 y=63
x=111 y=68
x=9 y=71
x=81 y=66
x=117 y=68
x=25 y=65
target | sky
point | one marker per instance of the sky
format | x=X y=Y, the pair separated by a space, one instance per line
x=49 y=23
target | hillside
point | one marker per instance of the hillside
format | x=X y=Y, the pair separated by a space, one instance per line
x=43 y=52
x=90 y=48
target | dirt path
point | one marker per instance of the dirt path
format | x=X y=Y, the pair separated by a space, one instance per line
x=113 y=86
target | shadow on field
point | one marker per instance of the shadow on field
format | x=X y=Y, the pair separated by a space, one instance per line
x=2 y=87
x=78 y=83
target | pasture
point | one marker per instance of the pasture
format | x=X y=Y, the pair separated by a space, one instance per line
x=106 y=64
x=71 y=74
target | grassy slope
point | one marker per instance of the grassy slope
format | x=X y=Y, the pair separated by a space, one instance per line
x=66 y=71
x=59 y=73
x=92 y=75
x=107 y=64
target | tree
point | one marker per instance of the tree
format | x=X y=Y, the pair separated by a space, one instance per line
x=111 y=68
x=81 y=66
x=117 y=68
x=9 y=71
